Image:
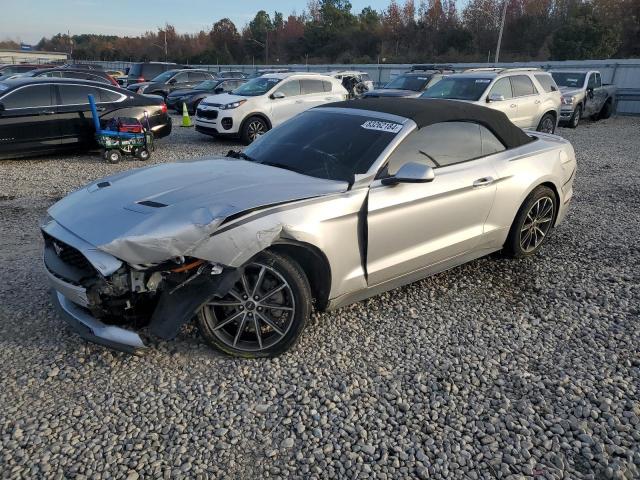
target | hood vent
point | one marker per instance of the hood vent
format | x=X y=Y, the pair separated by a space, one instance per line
x=152 y=204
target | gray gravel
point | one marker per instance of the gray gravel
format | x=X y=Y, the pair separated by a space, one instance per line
x=497 y=369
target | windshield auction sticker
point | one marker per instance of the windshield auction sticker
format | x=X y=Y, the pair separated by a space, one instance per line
x=382 y=126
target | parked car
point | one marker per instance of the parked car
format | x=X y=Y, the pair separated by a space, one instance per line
x=409 y=85
x=83 y=66
x=355 y=82
x=43 y=115
x=171 y=80
x=192 y=97
x=528 y=96
x=231 y=74
x=584 y=95
x=343 y=202
x=265 y=102
x=145 y=71
x=11 y=69
x=93 y=75
x=263 y=71
x=119 y=75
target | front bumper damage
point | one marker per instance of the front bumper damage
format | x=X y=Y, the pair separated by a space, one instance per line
x=109 y=303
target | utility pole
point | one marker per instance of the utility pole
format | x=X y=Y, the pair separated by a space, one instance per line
x=266 y=49
x=504 y=14
x=165 y=44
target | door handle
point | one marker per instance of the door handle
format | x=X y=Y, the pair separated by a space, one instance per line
x=48 y=112
x=513 y=105
x=537 y=102
x=482 y=182
x=101 y=109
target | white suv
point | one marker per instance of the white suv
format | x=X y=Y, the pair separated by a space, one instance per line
x=529 y=97
x=265 y=102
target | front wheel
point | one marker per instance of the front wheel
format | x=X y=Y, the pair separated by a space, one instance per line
x=547 y=124
x=113 y=156
x=606 y=110
x=253 y=128
x=575 y=118
x=532 y=224
x=265 y=311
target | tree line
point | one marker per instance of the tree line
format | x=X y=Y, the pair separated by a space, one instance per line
x=329 y=31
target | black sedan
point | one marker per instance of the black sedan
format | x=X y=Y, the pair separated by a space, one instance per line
x=44 y=115
x=171 y=80
x=81 y=74
x=192 y=97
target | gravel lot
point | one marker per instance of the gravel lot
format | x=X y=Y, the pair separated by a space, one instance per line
x=497 y=369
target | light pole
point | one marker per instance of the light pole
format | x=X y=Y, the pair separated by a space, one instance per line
x=504 y=14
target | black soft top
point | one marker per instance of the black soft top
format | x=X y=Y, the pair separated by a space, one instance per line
x=429 y=111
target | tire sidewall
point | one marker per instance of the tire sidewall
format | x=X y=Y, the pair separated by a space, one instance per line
x=294 y=275
x=575 y=118
x=512 y=245
x=244 y=135
x=544 y=117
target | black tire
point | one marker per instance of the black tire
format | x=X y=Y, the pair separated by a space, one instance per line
x=252 y=128
x=142 y=154
x=606 y=110
x=575 y=118
x=113 y=156
x=527 y=221
x=547 y=123
x=220 y=320
x=195 y=107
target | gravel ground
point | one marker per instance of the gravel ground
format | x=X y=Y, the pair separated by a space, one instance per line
x=496 y=369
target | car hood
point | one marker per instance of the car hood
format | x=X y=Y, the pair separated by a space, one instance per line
x=392 y=92
x=163 y=211
x=224 y=98
x=569 y=91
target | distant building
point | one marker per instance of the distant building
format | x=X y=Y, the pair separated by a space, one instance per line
x=31 y=56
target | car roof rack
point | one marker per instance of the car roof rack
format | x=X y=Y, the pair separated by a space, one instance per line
x=503 y=69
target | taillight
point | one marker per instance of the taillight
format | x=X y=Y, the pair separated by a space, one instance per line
x=140 y=79
x=164 y=108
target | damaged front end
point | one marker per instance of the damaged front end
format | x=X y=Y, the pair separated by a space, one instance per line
x=116 y=304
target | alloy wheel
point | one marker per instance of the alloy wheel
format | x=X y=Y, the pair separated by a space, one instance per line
x=257 y=312
x=536 y=224
x=548 y=125
x=256 y=128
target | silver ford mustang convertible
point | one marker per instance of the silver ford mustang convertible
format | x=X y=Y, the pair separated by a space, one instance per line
x=338 y=204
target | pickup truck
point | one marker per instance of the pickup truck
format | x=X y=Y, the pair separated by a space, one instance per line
x=583 y=95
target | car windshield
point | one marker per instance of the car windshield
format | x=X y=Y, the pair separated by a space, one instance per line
x=325 y=144
x=458 y=88
x=569 y=79
x=3 y=87
x=409 y=82
x=207 y=85
x=165 y=76
x=257 y=86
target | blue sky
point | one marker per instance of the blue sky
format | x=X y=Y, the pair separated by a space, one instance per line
x=29 y=20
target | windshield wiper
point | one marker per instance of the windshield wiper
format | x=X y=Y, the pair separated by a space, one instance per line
x=240 y=155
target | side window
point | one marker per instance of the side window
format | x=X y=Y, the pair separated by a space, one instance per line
x=51 y=75
x=198 y=76
x=291 y=88
x=437 y=145
x=598 y=81
x=546 y=82
x=181 y=77
x=490 y=143
x=592 y=81
x=327 y=86
x=522 y=86
x=29 y=97
x=502 y=87
x=108 y=95
x=311 y=86
x=77 y=94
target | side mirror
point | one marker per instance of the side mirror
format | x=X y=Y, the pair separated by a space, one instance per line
x=218 y=90
x=412 y=172
x=495 y=97
x=173 y=81
x=277 y=95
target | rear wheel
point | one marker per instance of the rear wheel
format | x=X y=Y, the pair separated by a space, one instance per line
x=265 y=311
x=547 y=123
x=575 y=118
x=253 y=128
x=142 y=154
x=532 y=224
x=606 y=111
x=113 y=156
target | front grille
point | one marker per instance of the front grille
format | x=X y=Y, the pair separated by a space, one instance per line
x=208 y=114
x=68 y=254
